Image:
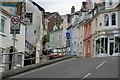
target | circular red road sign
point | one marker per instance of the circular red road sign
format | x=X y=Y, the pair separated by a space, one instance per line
x=26 y=20
x=15 y=20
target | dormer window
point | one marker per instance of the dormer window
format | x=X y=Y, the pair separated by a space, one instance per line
x=110 y=2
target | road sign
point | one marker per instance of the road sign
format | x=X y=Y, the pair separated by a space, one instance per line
x=15 y=25
x=67 y=34
x=26 y=20
x=15 y=21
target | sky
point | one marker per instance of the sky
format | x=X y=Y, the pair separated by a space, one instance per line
x=61 y=6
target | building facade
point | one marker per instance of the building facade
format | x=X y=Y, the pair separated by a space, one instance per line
x=6 y=42
x=108 y=36
x=87 y=39
x=51 y=19
x=34 y=30
x=55 y=39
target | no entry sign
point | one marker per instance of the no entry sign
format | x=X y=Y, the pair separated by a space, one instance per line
x=15 y=21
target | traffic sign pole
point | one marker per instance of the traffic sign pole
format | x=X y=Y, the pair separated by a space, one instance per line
x=15 y=22
x=14 y=36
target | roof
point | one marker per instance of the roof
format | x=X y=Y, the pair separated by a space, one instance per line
x=48 y=14
x=57 y=30
x=70 y=27
x=38 y=6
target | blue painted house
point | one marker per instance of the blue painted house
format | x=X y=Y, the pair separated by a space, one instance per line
x=69 y=41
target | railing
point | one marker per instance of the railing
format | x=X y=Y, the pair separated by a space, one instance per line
x=11 y=61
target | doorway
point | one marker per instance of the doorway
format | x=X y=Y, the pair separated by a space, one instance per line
x=10 y=59
x=84 y=50
x=111 y=48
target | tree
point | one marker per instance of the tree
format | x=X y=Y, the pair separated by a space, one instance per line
x=45 y=39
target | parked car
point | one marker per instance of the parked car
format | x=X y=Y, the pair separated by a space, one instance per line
x=55 y=53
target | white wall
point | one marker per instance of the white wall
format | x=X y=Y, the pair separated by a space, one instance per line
x=36 y=23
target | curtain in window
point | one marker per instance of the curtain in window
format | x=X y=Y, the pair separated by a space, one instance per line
x=2 y=25
x=113 y=19
x=106 y=20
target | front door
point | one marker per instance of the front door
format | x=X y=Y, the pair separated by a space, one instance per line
x=84 y=50
x=111 y=48
x=10 y=59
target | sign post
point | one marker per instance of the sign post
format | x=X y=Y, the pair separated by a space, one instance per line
x=68 y=35
x=14 y=27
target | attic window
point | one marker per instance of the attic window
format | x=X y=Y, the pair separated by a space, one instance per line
x=110 y=2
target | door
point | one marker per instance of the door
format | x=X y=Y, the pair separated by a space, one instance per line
x=111 y=48
x=10 y=59
x=84 y=50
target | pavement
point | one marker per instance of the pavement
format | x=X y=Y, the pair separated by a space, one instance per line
x=81 y=68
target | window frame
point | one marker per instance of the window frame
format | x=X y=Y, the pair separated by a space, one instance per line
x=110 y=3
x=110 y=20
x=2 y=30
x=1 y=57
x=88 y=46
x=59 y=37
x=106 y=21
x=114 y=19
x=53 y=38
x=30 y=17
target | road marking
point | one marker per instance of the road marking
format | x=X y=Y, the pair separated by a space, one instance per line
x=86 y=75
x=100 y=64
x=40 y=68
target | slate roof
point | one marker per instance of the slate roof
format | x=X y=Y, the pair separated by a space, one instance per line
x=47 y=15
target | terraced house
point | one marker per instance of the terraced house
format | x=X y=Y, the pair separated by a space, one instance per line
x=107 y=38
x=6 y=42
x=55 y=40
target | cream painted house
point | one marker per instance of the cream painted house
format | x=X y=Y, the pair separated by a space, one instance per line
x=6 y=42
x=106 y=32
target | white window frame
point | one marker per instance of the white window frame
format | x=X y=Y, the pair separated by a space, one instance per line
x=1 y=23
x=80 y=46
x=19 y=64
x=52 y=47
x=89 y=46
x=104 y=20
x=52 y=38
x=110 y=20
x=109 y=3
x=116 y=19
x=1 y=53
x=59 y=37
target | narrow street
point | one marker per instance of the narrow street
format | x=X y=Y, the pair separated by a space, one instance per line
x=106 y=67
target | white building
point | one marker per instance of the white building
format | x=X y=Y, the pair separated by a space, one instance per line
x=34 y=32
x=6 y=42
x=108 y=40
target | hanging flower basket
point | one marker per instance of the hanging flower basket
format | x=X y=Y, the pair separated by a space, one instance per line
x=57 y=25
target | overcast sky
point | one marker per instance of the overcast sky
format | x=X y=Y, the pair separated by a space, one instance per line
x=61 y=6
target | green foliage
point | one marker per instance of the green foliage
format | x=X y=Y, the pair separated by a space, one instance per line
x=117 y=40
x=46 y=39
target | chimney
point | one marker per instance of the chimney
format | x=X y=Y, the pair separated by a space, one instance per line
x=72 y=9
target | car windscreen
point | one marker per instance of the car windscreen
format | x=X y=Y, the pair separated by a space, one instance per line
x=56 y=51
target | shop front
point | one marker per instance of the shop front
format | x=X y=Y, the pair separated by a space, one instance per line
x=107 y=45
